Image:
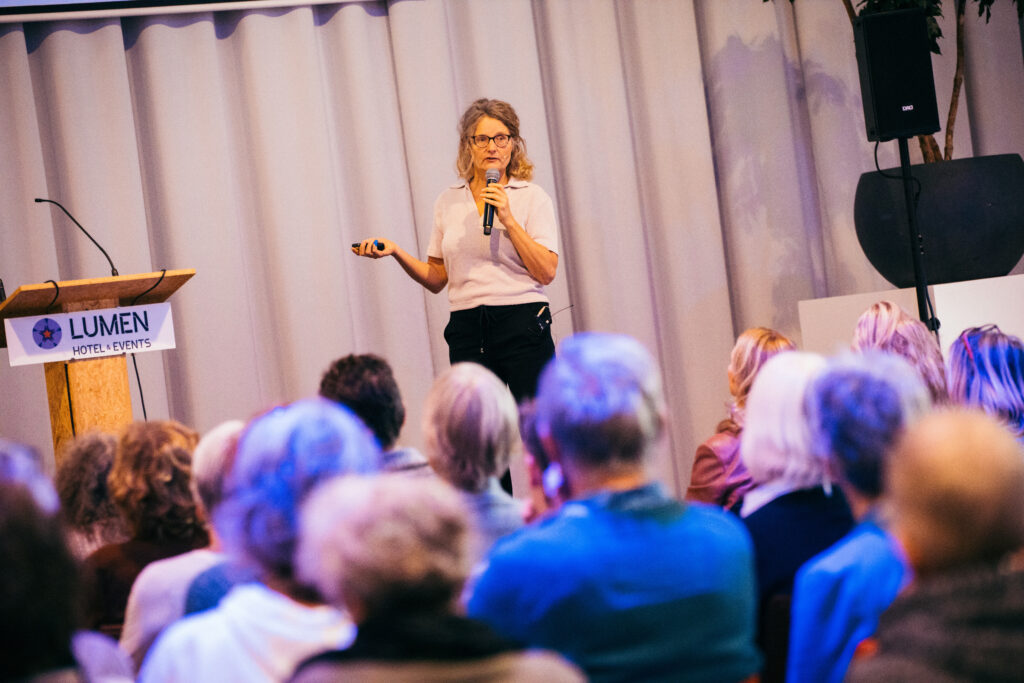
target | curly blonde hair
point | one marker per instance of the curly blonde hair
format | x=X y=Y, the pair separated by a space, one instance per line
x=519 y=165
x=752 y=350
x=150 y=482
x=888 y=327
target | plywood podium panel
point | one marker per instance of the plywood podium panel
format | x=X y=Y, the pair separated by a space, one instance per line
x=86 y=395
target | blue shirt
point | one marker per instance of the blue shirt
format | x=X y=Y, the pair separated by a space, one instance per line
x=629 y=585
x=837 y=599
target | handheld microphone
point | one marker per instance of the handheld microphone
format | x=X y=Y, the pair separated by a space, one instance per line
x=376 y=243
x=493 y=175
x=113 y=270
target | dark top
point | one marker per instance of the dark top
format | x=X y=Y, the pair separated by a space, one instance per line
x=412 y=637
x=792 y=529
x=787 y=532
x=206 y=590
x=113 y=569
x=409 y=645
x=965 y=625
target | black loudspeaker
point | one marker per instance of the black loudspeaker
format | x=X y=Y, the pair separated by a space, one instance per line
x=896 y=81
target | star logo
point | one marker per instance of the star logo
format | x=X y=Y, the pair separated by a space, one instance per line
x=46 y=333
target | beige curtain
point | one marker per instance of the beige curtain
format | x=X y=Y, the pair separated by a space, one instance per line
x=702 y=155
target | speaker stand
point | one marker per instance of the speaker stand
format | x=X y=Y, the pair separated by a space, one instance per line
x=916 y=241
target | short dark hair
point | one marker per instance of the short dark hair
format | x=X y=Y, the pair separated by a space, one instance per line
x=365 y=385
x=39 y=600
x=81 y=481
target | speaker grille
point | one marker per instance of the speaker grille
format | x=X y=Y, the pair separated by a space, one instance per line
x=896 y=80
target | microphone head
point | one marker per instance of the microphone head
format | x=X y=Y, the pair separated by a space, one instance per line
x=39 y=200
x=493 y=175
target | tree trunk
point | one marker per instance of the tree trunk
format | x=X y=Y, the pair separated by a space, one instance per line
x=930 y=150
x=958 y=78
x=850 y=12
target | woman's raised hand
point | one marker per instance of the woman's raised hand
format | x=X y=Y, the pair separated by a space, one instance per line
x=374 y=247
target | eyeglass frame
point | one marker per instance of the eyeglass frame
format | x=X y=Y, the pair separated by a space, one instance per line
x=474 y=142
x=975 y=332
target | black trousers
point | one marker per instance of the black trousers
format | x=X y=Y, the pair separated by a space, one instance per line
x=514 y=342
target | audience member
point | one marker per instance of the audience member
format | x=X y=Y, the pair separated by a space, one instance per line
x=157 y=597
x=719 y=476
x=88 y=512
x=986 y=370
x=40 y=589
x=793 y=512
x=470 y=429
x=885 y=326
x=956 y=483
x=543 y=496
x=150 y=482
x=261 y=631
x=622 y=579
x=395 y=554
x=857 y=408
x=366 y=385
x=21 y=465
x=39 y=608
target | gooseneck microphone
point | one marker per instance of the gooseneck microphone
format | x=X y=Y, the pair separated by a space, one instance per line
x=113 y=270
x=493 y=175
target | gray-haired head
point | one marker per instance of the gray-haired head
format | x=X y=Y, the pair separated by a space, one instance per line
x=776 y=443
x=600 y=400
x=280 y=457
x=470 y=426
x=385 y=545
x=212 y=460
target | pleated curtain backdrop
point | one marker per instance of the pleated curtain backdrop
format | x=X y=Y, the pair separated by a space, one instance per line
x=702 y=156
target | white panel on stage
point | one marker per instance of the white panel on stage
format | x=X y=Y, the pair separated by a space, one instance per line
x=827 y=324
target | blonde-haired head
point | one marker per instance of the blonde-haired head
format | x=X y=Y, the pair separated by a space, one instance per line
x=956 y=484
x=888 y=327
x=470 y=426
x=752 y=350
x=519 y=165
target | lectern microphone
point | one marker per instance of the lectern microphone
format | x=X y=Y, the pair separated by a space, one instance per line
x=113 y=270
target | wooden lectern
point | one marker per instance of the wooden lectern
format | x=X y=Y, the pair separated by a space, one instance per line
x=90 y=393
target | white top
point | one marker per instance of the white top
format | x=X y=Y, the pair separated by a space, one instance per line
x=255 y=635
x=157 y=598
x=487 y=270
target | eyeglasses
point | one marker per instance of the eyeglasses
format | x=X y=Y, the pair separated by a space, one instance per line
x=976 y=333
x=481 y=141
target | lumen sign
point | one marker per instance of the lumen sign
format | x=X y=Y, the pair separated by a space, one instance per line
x=89 y=334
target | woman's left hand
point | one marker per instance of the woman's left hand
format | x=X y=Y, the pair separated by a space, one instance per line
x=494 y=194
